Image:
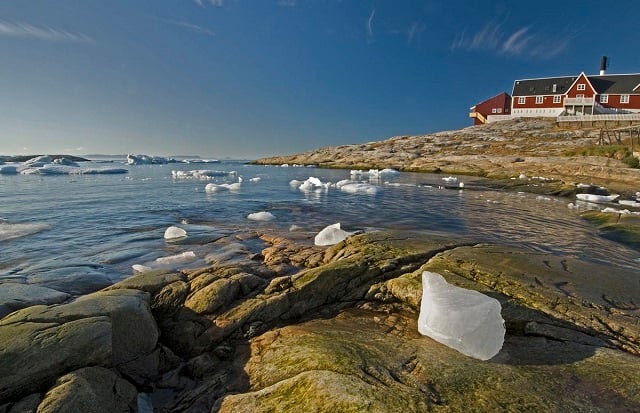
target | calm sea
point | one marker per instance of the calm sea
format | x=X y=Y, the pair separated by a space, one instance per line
x=76 y=233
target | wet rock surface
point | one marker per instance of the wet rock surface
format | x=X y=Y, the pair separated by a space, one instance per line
x=305 y=328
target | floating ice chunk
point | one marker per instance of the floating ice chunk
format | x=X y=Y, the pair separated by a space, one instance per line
x=616 y=211
x=634 y=204
x=261 y=216
x=330 y=235
x=211 y=188
x=359 y=188
x=38 y=161
x=174 y=233
x=65 y=161
x=389 y=171
x=8 y=169
x=312 y=184
x=465 y=320
x=596 y=198
x=172 y=259
x=295 y=183
x=450 y=180
x=255 y=179
x=140 y=268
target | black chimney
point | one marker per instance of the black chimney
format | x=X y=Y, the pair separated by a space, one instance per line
x=603 y=65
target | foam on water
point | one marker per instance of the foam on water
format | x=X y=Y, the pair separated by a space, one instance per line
x=9 y=231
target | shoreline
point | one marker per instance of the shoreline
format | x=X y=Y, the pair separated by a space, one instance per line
x=249 y=333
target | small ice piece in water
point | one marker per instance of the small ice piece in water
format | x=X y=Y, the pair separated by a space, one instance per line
x=261 y=216
x=255 y=179
x=141 y=268
x=295 y=183
x=596 y=198
x=174 y=233
x=172 y=259
x=331 y=235
x=465 y=320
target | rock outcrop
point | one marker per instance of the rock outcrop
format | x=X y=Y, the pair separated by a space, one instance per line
x=500 y=150
x=302 y=328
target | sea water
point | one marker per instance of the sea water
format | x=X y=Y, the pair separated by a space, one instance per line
x=78 y=233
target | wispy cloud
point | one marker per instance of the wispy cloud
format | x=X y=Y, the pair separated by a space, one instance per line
x=43 y=33
x=369 y=26
x=190 y=26
x=414 y=31
x=524 y=42
x=203 y=3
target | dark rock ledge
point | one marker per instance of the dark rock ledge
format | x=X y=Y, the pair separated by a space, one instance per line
x=300 y=328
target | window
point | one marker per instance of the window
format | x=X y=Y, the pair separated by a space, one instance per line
x=579 y=96
x=539 y=99
x=581 y=86
x=557 y=99
x=604 y=98
x=521 y=100
x=624 y=99
x=493 y=110
x=499 y=110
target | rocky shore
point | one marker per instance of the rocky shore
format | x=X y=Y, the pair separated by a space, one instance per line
x=275 y=323
x=304 y=328
x=499 y=151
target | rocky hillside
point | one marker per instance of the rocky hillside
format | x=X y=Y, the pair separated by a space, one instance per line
x=534 y=147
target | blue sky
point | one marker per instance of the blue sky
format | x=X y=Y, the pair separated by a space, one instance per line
x=242 y=79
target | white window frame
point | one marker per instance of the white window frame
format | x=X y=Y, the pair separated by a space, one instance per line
x=522 y=100
x=624 y=99
x=604 y=98
x=499 y=110
x=493 y=110
x=539 y=100
x=557 y=99
x=582 y=86
x=580 y=96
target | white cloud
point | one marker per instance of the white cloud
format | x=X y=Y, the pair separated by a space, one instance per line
x=369 y=27
x=521 y=42
x=414 y=31
x=42 y=33
x=191 y=27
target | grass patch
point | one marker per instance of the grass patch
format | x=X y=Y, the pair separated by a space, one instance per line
x=620 y=152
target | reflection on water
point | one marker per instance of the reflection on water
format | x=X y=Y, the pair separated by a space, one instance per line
x=104 y=224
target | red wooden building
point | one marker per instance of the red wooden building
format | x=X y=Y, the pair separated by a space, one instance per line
x=566 y=95
x=577 y=95
x=497 y=105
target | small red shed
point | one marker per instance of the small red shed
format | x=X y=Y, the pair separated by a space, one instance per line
x=497 y=105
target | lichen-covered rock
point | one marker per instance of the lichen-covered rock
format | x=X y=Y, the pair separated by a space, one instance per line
x=108 y=328
x=90 y=390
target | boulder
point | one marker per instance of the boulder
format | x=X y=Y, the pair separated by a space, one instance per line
x=108 y=328
x=90 y=390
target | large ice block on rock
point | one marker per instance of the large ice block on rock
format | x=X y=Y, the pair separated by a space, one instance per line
x=465 y=320
x=330 y=235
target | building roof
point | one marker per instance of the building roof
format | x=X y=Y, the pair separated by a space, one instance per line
x=615 y=84
x=603 y=84
x=543 y=86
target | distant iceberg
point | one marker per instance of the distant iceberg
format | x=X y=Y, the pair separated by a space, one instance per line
x=203 y=174
x=148 y=160
x=45 y=165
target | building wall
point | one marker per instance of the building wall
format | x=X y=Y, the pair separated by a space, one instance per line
x=497 y=105
x=530 y=102
x=614 y=102
x=588 y=91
